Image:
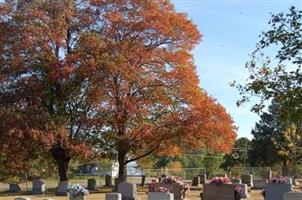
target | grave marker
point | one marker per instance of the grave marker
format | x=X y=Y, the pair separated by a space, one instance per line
x=38 y=186
x=127 y=190
x=113 y=196
x=275 y=191
x=91 y=184
x=160 y=196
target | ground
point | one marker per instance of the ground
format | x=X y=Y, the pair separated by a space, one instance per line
x=194 y=195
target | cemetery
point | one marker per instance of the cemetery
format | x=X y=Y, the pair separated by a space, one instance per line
x=168 y=188
x=150 y=100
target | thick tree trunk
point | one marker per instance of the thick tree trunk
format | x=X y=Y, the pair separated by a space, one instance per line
x=62 y=159
x=122 y=171
x=63 y=169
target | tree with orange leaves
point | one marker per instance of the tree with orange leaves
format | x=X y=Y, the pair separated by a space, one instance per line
x=47 y=85
x=117 y=73
x=151 y=98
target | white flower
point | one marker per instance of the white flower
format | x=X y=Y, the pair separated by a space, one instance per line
x=77 y=191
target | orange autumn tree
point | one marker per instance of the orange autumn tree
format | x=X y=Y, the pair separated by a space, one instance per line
x=48 y=88
x=151 y=98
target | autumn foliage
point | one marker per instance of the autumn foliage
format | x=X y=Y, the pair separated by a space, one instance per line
x=116 y=77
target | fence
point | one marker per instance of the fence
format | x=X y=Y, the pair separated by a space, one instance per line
x=133 y=176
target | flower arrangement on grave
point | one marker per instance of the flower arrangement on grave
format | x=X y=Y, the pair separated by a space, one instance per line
x=151 y=186
x=220 y=180
x=77 y=192
x=170 y=180
x=238 y=189
x=278 y=180
x=163 y=189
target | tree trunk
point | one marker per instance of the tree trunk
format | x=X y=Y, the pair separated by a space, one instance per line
x=122 y=172
x=284 y=168
x=62 y=159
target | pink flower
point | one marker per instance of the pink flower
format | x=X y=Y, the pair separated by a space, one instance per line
x=163 y=189
x=220 y=180
x=278 y=179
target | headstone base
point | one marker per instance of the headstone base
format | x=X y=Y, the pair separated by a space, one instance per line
x=113 y=196
x=62 y=189
x=14 y=188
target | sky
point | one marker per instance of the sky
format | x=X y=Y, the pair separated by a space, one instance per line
x=230 y=30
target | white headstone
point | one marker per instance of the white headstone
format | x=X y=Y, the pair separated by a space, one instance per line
x=292 y=196
x=38 y=186
x=269 y=174
x=203 y=178
x=289 y=181
x=160 y=196
x=128 y=190
x=62 y=188
x=113 y=196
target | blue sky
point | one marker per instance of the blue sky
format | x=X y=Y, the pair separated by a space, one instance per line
x=230 y=30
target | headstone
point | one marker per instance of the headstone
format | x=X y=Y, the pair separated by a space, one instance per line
x=128 y=191
x=143 y=180
x=38 y=187
x=117 y=181
x=236 y=181
x=292 y=196
x=203 y=178
x=196 y=181
x=294 y=180
x=62 y=188
x=243 y=190
x=275 y=191
x=289 y=181
x=269 y=174
x=91 y=184
x=247 y=179
x=14 y=188
x=22 y=198
x=218 y=191
x=108 y=181
x=160 y=196
x=260 y=183
x=113 y=196
x=174 y=188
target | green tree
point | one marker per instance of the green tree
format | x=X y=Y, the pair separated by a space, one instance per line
x=277 y=76
x=289 y=144
x=263 y=152
x=194 y=160
x=238 y=155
